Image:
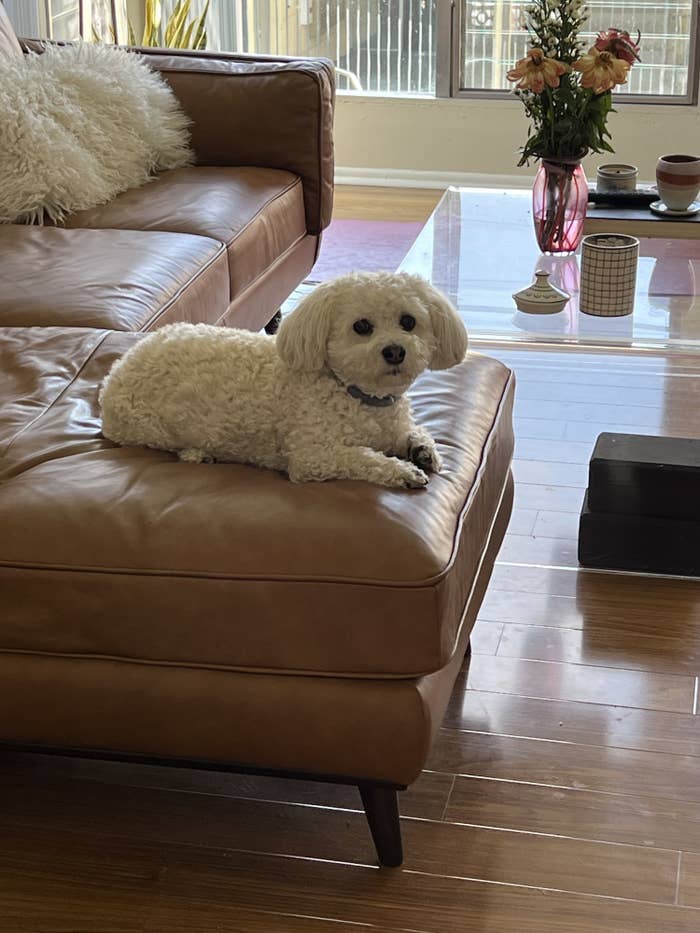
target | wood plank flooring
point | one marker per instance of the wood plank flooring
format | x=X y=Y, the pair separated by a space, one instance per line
x=359 y=202
x=562 y=794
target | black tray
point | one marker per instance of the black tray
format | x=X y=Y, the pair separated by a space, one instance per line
x=642 y=196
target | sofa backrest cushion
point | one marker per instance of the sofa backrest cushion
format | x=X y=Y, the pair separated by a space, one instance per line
x=259 y=111
x=8 y=40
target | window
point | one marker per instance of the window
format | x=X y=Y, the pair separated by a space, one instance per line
x=62 y=19
x=378 y=46
x=492 y=38
x=426 y=47
x=450 y=48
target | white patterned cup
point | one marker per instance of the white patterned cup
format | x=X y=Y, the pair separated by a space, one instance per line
x=608 y=274
x=678 y=180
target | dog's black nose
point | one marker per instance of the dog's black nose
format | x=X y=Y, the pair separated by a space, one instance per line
x=394 y=354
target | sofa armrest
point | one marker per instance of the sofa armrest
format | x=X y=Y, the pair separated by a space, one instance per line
x=259 y=110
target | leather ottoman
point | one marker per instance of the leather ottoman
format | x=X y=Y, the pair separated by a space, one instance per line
x=220 y=614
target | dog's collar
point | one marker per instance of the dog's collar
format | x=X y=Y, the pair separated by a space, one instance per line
x=375 y=401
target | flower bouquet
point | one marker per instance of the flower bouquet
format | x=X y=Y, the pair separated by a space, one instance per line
x=566 y=93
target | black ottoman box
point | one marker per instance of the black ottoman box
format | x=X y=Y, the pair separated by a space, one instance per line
x=642 y=506
x=638 y=475
x=638 y=542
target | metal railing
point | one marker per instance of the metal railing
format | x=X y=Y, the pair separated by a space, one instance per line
x=382 y=46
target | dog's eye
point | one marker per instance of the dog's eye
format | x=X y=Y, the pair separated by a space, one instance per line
x=362 y=327
x=408 y=322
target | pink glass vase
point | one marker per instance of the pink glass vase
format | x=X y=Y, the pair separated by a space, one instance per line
x=559 y=199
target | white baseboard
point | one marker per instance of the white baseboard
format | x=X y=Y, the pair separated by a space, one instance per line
x=410 y=178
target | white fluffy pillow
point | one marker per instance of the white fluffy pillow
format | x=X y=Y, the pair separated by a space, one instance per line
x=78 y=125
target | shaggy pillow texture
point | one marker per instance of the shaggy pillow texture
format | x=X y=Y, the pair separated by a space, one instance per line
x=78 y=125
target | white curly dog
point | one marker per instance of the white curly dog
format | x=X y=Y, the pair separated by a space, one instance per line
x=323 y=400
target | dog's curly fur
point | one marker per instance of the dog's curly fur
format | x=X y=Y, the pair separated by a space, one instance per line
x=211 y=393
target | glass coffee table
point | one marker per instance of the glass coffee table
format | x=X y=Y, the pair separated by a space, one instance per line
x=478 y=247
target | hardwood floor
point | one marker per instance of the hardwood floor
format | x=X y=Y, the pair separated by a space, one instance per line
x=356 y=202
x=562 y=794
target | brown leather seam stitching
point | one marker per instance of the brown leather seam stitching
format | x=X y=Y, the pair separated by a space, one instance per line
x=301 y=66
x=275 y=197
x=220 y=575
x=477 y=575
x=319 y=150
x=510 y=381
x=191 y=281
x=264 y=72
x=203 y=665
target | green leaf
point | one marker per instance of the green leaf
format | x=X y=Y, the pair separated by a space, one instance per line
x=152 y=16
x=200 y=36
x=186 y=42
x=175 y=24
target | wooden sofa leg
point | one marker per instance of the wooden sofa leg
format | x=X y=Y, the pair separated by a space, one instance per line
x=273 y=324
x=382 y=809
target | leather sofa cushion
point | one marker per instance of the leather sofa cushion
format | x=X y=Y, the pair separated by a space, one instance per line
x=37 y=364
x=117 y=279
x=129 y=554
x=283 y=115
x=257 y=213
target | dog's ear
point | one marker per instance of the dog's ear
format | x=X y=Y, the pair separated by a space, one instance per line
x=303 y=334
x=448 y=327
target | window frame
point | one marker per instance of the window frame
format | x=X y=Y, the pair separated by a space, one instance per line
x=447 y=83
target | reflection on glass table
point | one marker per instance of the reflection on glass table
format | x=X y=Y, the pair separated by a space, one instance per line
x=478 y=247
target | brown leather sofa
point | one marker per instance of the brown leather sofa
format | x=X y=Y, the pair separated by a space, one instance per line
x=218 y=614
x=223 y=242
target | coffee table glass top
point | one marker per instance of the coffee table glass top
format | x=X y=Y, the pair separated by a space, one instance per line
x=478 y=247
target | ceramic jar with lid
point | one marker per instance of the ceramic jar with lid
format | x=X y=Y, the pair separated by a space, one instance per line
x=541 y=297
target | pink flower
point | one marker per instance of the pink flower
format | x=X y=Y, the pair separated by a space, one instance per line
x=620 y=44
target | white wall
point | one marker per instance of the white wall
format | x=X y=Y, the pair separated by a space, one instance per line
x=454 y=137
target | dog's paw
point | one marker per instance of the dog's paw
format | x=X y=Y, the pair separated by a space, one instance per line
x=410 y=476
x=426 y=457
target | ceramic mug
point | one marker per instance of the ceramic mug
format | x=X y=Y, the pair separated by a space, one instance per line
x=678 y=180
